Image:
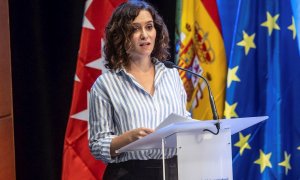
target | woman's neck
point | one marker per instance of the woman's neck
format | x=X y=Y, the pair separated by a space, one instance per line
x=143 y=71
x=140 y=65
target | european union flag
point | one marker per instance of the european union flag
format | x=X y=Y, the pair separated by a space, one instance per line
x=263 y=79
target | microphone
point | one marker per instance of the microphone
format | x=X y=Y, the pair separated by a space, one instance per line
x=171 y=65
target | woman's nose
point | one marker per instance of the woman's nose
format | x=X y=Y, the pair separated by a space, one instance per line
x=144 y=34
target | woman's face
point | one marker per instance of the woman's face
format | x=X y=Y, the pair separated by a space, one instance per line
x=143 y=37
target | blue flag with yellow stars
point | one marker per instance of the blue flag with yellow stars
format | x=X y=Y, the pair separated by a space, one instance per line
x=263 y=79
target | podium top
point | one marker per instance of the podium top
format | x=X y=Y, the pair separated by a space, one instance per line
x=183 y=124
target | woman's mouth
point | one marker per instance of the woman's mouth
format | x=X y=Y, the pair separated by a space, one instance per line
x=145 y=44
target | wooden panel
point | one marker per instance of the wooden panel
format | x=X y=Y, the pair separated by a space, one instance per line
x=7 y=152
x=5 y=63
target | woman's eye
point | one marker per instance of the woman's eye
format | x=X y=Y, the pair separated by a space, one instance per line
x=149 y=27
x=135 y=28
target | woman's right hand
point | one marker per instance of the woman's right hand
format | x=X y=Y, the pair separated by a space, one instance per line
x=138 y=133
x=128 y=137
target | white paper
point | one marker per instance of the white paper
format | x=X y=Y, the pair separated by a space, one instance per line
x=171 y=119
x=184 y=124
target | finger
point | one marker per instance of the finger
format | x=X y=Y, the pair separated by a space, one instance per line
x=148 y=131
x=143 y=133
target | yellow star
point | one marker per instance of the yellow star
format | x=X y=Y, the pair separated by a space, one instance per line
x=247 y=42
x=229 y=111
x=286 y=162
x=243 y=143
x=298 y=147
x=231 y=76
x=270 y=23
x=263 y=160
x=292 y=28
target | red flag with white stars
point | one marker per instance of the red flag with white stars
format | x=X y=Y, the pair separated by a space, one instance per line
x=78 y=162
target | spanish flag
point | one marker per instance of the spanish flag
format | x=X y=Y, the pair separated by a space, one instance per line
x=200 y=48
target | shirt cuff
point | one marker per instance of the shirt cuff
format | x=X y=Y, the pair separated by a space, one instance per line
x=106 y=149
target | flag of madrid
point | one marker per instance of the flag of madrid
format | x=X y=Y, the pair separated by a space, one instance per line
x=78 y=163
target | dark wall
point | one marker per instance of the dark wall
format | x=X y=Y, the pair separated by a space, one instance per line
x=166 y=8
x=45 y=39
x=44 y=43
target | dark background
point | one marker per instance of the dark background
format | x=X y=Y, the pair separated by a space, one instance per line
x=45 y=38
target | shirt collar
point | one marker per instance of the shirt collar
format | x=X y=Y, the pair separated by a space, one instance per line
x=158 y=66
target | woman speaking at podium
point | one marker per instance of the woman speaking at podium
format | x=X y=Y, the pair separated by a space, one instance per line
x=136 y=95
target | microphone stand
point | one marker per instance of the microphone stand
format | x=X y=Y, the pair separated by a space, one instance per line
x=170 y=64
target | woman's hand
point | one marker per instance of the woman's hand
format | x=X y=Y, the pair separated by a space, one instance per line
x=127 y=138
x=138 y=133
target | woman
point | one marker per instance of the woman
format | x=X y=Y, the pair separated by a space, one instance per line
x=136 y=95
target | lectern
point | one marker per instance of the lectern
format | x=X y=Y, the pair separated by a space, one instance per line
x=201 y=155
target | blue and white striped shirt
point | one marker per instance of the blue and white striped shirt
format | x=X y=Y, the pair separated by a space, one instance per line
x=118 y=103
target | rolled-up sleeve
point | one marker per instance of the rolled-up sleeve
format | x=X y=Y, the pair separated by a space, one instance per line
x=100 y=126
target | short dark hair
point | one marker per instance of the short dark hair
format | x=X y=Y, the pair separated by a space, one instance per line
x=119 y=30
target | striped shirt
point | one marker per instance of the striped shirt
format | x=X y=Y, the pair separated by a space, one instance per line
x=118 y=103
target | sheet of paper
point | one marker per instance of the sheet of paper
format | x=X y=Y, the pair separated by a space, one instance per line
x=171 y=126
x=171 y=119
